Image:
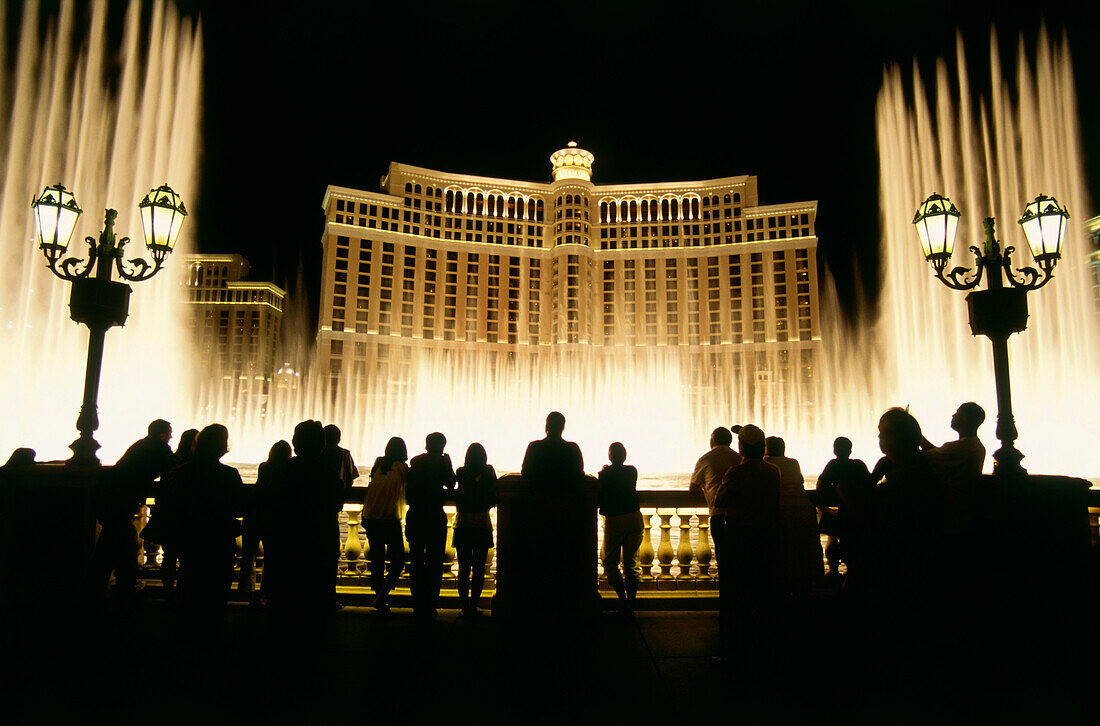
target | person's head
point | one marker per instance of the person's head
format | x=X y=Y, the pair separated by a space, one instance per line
x=395 y=450
x=842 y=447
x=434 y=443
x=160 y=429
x=775 y=446
x=899 y=435
x=750 y=442
x=616 y=453
x=721 y=436
x=476 y=458
x=212 y=443
x=735 y=429
x=968 y=418
x=279 y=452
x=308 y=439
x=20 y=457
x=555 y=424
x=332 y=436
x=186 y=445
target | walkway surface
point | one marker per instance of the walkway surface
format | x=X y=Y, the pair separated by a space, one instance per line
x=137 y=665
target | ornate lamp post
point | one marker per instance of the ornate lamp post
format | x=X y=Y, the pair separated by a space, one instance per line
x=998 y=311
x=98 y=301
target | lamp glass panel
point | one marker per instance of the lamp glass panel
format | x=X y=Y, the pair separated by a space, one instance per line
x=147 y=224
x=1052 y=227
x=922 y=232
x=46 y=222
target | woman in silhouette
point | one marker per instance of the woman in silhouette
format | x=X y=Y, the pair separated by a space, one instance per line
x=473 y=532
x=256 y=505
x=383 y=506
x=210 y=497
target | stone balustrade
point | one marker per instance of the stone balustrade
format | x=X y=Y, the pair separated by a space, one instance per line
x=678 y=556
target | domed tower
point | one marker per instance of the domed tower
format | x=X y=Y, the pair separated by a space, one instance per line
x=571 y=194
x=572 y=257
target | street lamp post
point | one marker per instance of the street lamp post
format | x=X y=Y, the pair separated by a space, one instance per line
x=98 y=301
x=998 y=311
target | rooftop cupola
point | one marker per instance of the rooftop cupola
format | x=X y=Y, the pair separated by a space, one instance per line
x=572 y=163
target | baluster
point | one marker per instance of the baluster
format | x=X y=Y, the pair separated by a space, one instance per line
x=665 y=580
x=704 y=553
x=645 y=553
x=140 y=520
x=449 y=553
x=353 y=547
x=684 y=552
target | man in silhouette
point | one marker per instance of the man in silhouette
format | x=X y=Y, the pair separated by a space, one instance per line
x=554 y=468
x=553 y=464
x=210 y=497
x=119 y=494
x=841 y=473
x=706 y=478
x=340 y=464
x=958 y=465
x=749 y=495
x=305 y=498
x=426 y=523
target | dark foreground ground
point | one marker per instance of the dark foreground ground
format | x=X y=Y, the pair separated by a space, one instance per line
x=139 y=665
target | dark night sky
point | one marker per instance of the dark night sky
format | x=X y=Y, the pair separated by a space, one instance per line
x=329 y=93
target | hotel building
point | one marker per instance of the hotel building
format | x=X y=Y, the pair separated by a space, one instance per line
x=1092 y=230
x=441 y=261
x=234 y=324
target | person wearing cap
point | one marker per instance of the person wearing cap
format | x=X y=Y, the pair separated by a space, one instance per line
x=749 y=493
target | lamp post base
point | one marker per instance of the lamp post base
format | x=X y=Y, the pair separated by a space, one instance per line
x=1006 y=462
x=84 y=449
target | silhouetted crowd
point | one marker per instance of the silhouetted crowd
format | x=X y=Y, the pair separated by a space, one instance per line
x=886 y=529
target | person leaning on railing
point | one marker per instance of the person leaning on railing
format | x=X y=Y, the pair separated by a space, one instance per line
x=382 y=505
x=623 y=526
x=473 y=534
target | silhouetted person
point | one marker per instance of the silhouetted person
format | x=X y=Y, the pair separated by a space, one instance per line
x=256 y=516
x=958 y=464
x=382 y=505
x=749 y=494
x=552 y=464
x=622 y=526
x=705 y=479
x=340 y=462
x=20 y=457
x=841 y=473
x=798 y=547
x=473 y=533
x=305 y=497
x=119 y=494
x=907 y=512
x=163 y=525
x=209 y=496
x=430 y=474
x=906 y=549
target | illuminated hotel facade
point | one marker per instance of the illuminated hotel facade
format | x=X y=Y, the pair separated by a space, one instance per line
x=450 y=262
x=234 y=325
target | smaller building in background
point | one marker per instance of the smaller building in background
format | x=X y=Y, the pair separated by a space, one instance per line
x=235 y=327
x=1092 y=228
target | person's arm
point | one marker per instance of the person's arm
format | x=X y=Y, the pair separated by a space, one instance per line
x=489 y=476
x=527 y=469
x=723 y=494
x=696 y=484
x=449 y=475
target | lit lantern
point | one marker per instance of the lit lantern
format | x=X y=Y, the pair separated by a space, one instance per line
x=1044 y=224
x=937 y=221
x=162 y=214
x=55 y=215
